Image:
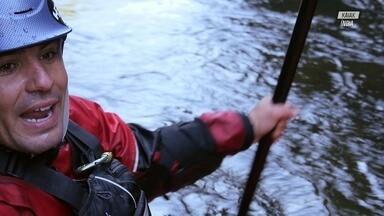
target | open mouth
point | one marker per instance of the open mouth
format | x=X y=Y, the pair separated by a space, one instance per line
x=38 y=115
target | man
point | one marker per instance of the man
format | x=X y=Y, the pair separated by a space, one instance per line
x=36 y=111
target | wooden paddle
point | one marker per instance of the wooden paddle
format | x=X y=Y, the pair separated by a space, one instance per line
x=296 y=45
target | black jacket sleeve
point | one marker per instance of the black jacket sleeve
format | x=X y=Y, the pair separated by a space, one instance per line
x=174 y=156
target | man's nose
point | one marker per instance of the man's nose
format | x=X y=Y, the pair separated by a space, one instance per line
x=39 y=79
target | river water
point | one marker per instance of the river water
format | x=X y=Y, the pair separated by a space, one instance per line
x=156 y=62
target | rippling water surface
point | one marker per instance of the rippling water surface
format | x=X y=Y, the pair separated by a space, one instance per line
x=156 y=62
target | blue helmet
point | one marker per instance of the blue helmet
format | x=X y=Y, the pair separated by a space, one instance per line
x=24 y=23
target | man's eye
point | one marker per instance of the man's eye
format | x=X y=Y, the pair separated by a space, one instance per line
x=7 y=68
x=48 y=55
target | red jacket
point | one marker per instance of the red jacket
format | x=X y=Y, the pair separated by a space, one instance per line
x=140 y=150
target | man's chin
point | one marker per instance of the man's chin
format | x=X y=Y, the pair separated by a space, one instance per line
x=38 y=149
x=37 y=145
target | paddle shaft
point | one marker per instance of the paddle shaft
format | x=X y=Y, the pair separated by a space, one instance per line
x=295 y=48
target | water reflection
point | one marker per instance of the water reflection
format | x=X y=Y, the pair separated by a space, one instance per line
x=157 y=62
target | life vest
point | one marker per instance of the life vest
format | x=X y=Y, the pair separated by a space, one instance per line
x=108 y=187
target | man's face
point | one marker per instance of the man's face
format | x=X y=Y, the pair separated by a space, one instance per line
x=33 y=98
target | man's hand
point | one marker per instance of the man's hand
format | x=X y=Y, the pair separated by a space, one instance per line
x=265 y=116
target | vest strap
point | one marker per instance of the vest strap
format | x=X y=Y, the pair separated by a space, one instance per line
x=37 y=173
x=43 y=177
